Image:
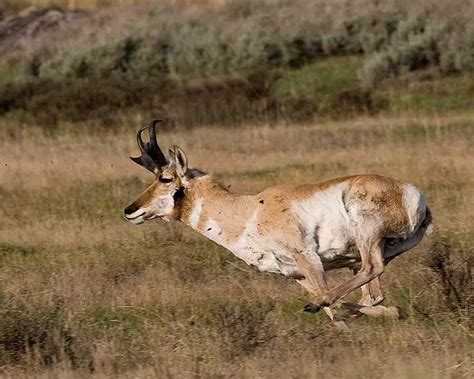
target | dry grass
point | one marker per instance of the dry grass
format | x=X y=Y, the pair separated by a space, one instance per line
x=99 y=4
x=85 y=293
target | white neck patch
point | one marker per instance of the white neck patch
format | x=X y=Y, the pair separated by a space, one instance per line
x=195 y=214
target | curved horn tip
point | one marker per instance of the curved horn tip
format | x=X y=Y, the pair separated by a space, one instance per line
x=146 y=162
x=136 y=159
x=154 y=121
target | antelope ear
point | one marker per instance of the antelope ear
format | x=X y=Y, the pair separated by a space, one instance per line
x=179 y=160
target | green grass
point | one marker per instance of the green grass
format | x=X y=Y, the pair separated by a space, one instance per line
x=320 y=79
x=431 y=96
x=15 y=250
x=326 y=78
x=8 y=74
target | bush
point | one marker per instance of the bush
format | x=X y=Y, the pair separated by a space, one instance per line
x=355 y=101
x=244 y=326
x=49 y=101
x=230 y=100
x=39 y=333
x=244 y=35
x=452 y=262
x=416 y=44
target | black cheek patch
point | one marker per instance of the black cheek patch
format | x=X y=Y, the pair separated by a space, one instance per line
x=179 y=194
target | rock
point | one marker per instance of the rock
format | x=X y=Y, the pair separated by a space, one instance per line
x=18 y=30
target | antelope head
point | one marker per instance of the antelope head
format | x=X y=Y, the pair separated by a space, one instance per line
x=159 y=199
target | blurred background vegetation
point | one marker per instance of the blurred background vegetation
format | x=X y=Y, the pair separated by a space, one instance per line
x=228 y=62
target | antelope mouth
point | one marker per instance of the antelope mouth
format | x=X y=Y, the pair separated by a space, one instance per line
x=150 y=217
x=141 y=218
x=136 y=217
x=133 y=217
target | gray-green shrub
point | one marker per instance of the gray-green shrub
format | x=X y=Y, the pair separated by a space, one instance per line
x=242 y=35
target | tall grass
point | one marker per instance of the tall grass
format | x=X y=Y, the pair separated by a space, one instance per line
x=85 y=293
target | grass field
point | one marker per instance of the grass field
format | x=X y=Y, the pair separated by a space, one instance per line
x=88 y=4
x=84 y=292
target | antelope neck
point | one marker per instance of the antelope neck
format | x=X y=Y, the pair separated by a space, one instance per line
x=201 y=191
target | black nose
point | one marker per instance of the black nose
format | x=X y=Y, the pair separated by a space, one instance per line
x=130 y=209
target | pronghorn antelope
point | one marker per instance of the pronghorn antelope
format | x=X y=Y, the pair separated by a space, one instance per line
x=300 y=231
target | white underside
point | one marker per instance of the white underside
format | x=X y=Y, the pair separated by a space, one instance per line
x=323 y=212
x=326 y=227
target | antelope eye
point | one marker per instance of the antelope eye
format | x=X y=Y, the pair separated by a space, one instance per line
x=165 y=180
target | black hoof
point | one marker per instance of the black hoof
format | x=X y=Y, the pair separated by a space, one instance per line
x=352 y=307
x=402 y=315
x=348 y=311
x=311 y=308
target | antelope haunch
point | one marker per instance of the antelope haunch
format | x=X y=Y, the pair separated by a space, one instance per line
x=301 y=231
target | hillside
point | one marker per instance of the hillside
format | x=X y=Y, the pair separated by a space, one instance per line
x=240 y=61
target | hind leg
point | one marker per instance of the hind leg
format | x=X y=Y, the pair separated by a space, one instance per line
x=369 y=304
x=372 y=266
x=371 y=297
x=371 y=292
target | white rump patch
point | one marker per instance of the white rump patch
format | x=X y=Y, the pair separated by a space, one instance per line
x=415 y=206
x=429 y=230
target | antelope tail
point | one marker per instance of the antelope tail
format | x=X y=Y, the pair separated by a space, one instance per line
x=428 y=222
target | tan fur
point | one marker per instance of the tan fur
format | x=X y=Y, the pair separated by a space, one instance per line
x=230 y=210
x=381 y=195
x=373 y=204
x=146 y=196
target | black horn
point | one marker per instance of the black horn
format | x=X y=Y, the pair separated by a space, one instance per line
x=152 y=157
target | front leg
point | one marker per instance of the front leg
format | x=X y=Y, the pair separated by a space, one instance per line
x=310 y=265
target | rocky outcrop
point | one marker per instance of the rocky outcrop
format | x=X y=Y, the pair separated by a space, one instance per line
x=18 y=30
